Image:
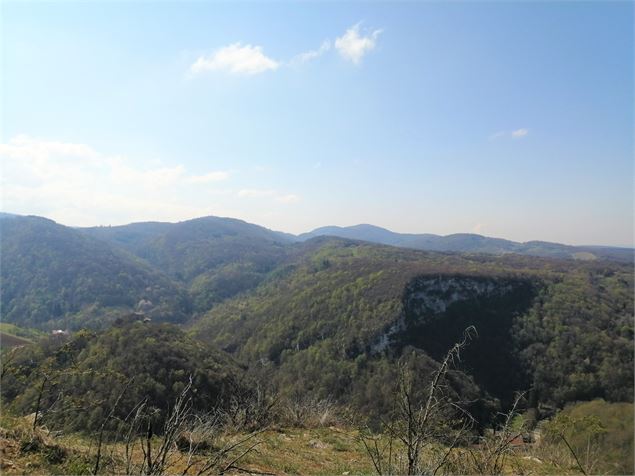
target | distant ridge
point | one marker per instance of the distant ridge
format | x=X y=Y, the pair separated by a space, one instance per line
x=470 y=243
x=141 y=237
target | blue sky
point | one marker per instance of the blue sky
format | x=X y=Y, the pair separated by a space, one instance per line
x=507 y=119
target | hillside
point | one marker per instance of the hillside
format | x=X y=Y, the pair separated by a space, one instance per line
x=154 y=242
x=471 y=243
x=283 y=333
x=57 y=277
x=14 y=336
x=215 y=258
x=331 y=316
x=87 y=374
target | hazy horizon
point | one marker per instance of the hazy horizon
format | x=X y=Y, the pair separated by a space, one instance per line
x=316 y=228
x=511 y=120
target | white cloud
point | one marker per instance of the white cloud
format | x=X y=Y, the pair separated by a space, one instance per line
x=497 y=135
x=237 y=59
x=76 y=185
x=290 y=198
x=520 y=133
x=122 y=173
x=353 y=45
x=248 y=59
x=25 y=147
x=517 y=134
x=478 y=228
x=312 y=54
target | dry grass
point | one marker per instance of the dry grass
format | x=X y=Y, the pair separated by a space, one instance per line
x=328 y=450
x=332 y=450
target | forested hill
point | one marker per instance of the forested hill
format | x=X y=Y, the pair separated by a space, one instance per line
x=329 y=315
x=57 y=277
x=130 y=363
x=215 y=258
x=471 y=243
x=329 y=318
x=155 y=241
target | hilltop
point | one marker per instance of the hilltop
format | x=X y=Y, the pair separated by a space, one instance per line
x=54 y=277
x=471 y=243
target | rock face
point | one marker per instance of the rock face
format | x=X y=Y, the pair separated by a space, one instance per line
x=144 y=305
x=433 y=295
x=437 y=310
x=426 y=297
x=385 y=340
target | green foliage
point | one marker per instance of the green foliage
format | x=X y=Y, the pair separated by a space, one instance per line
x=577 y=340
x=25 y=332
x=216 y=258
x=56 y=277
x=330 y=315
x=600 y=434
x=471 y=243
x=321 y=319
x=80 y=378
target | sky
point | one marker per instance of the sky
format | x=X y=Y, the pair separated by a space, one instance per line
x=507 y=119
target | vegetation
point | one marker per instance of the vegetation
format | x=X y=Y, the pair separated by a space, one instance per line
x=599 y=433
x=286 y=335
x=72 y=383
x=577 y=339
x=471 y=243
x=427 y=430
x=56 y=277
x=215 y=258
x=333 y=318
x=26 y=333
x=14 y=336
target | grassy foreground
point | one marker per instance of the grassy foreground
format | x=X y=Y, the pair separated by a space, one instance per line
x=312 y=451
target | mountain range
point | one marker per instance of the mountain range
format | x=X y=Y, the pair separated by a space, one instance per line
x=326 y=314
x=135 y=237
x=470 y=243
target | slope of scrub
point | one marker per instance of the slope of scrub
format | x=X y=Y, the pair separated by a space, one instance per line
x=79 y=379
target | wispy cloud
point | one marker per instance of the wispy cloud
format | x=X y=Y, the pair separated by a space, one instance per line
x=290 y=198
x=497 y=135
x=353 y=45
x=478 y=228
x=74 y=183
x=517 y=134
x=236 y=59
x=312 y=54
x=248 y=59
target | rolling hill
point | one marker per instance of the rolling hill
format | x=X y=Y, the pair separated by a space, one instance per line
x=330 y=314
x=130 y=363
x=471 y=243
x=57 y=277
x=215 y=258
x=337 y=309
